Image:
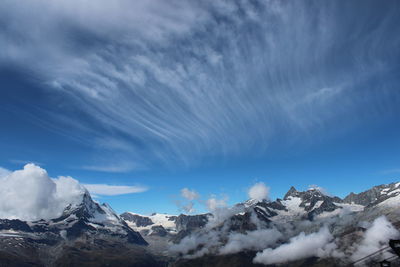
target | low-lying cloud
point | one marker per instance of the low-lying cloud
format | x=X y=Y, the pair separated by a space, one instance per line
x=319 y=244
x=376 y=237
x=253 y=240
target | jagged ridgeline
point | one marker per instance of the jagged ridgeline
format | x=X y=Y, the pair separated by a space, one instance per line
x=317 y=229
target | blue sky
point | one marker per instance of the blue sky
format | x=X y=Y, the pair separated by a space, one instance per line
x=212 y=96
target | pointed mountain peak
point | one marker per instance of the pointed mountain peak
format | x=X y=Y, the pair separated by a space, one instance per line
x=292 y=192
x=85 y=210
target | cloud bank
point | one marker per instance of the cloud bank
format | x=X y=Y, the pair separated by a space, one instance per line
x=376 y=237
x=319 y=244
x=253 y=240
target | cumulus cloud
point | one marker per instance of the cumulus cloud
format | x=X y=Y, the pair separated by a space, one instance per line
x=113 y=190
x=318 y=244
x=30 y=194
x=376 y=237
x=189 y=194
x=213 y=203
x=4 y=172
x=259 y=191
x=187 y=205
x=253 y=240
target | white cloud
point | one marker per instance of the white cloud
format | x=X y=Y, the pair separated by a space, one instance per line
x=188 y=208
x=320 y=189
x=376 y=237
x=30 y=194
x=214 y=204
x=113 y=190
x=188 y=204
x=120 y=167
x=4 y=172
x=319 y=244
x=259 y=191
x=189 y=194
x=324 y=94
x=254 y=240
x=192 y=242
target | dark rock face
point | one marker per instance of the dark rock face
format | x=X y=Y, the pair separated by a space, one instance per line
x=326 y=206
x=363 y=198
x=375 y=195
x=266 y=210
x=20 y=251
x=106 y=255
x=140 y=221
x=291 y=193
x=242 y=223
x=158 y=230
x=314 y=201
x=190 y=222
x=15 y=225
x=276 y=205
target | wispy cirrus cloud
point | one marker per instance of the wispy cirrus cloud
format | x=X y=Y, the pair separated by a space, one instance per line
x=119 y=167
x=391 y=171
x=180 y=81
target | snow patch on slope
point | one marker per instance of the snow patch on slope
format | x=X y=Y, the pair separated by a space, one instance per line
x=157 y=219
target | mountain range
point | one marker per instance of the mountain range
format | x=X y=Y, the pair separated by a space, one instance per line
x=308 y=228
